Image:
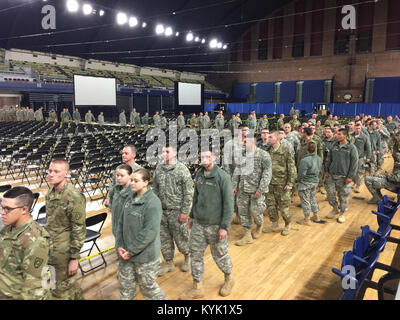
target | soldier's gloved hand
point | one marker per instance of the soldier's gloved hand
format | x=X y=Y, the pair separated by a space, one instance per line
x=182 y=217
x=257 y=195
x=348 y=180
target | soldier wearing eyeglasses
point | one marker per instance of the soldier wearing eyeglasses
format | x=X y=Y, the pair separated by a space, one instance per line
x=24 y=249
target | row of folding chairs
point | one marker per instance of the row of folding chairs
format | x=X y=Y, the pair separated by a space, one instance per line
x=358 y=265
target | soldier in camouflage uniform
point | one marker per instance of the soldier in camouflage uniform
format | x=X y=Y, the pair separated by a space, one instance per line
x=233 y=124
x=210 y=218
x=39 y=114
x=138 y=241
x=341 y=167
x=375 y=139
x=263 y=144
x=280 y=122
x=291 y=137
x=180 y=121
x=24 y=249
x=294 y=123
x=207 y=121
x=252 y=122
x=363 y=145
x=53 y=116
x=194 y=124
x=157 y=120
x=174 y=186
x=145 y=121
x=122 y=119
x=65 y=222
x=100 y=119
x=330 y=122
x=391 y=125
x=163 y=120
x=308 y=177
x=76 y=116
x=89 y=117
x=319 y=130
x=280 y=189
x=313 y=119
x=132 y=117
x=220 y=121
x=263 y=123
x=285 y=142
x=394 y=143
x=307 y=136
x=250 y=182
x=376 y=182
x=385 y=137
x=65 y=116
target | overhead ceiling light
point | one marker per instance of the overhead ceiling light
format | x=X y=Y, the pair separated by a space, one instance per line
x=122 y=18
x=197 y=39
x=219 y=45
x=213 y=43
x=101 y=13
x=133 y=21
x=72 y=5
x=189 y=37
x=225 y=47
x=203 y=41
x=177 y=34
x=168 y=31
x=87 y=9
x=144 y=24
x=160 y=29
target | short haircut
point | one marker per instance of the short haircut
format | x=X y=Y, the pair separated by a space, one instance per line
x=61 y=161
x=358 y=124
x=275 y=132
x=23 y=195
x=125 y=167
x=307 y=131
x=311 y=147
x=145 y=174
x=243 y=125
x=344 y=131
x=132 y=147
x=264 y=129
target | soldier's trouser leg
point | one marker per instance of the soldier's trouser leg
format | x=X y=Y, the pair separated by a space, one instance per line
x=67 y=287
x=126 y=279
x=308 y=202
x=146 y=275
x=321 y=178
x=373 y=163
x=278 y=199
x=243 y=202
x=257 y=208
x=358 y=178
x=330 y=188
x=344 y=191
x=380 y=159
x=375 y=183
x=171 y=230
x=200 y=237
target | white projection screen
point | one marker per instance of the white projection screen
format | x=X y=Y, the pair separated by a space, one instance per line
x=95 y=91
x=189 y=94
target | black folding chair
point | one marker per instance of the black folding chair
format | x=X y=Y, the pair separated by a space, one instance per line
x=36 y=196
x=92 y=236
x=41 y=221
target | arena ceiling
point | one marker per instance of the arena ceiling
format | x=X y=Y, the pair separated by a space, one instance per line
x=100 y=37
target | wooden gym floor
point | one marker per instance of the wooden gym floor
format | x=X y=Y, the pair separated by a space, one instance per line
x=296 y=267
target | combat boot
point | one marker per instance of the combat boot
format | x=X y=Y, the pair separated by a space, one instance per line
x=168 y=266
x=246 y=239
x=341 y=218
x=315 y=217
x=257 y=233
x=226 y=288
x=195 y=292
x=332 y=213
x=186 y=264
x=273 y=228
x=286 y=230
x=356 y=189
x=305 y=221
x=374 y=200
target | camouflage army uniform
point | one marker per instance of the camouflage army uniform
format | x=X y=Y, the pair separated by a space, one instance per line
x=385 y=137
x=294 y=124
x=207 y=122
x=132 y=118
x=394 y=145
x=342 y=163
x=65 y=117
x=319 y=131
x=89 y=117
x=145 y=122
x=174 y=186
x=163 y=122
x=219 y=123
x=157 y=121
x=303 y=148
x=66 y=224
x=294 y=140
x=181 y=122
x=39 y=115
x=249 y=180
x=252 y=123
x=24 y=252
x=363 y=146
x=283 y=174
x=375 y=139
x=376 y=182
x=100 y=119
x=77 y=117
x=262 y=124
x=194 y=124
x=279 y=124
x=122 y=119
x=211 y=211
x=53 y=117
x=287 y=144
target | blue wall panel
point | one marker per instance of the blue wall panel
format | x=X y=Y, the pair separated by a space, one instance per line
x=265 y=92
x=313 y=91
x=288 y=92
x=241 y=91
x=387 y=90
